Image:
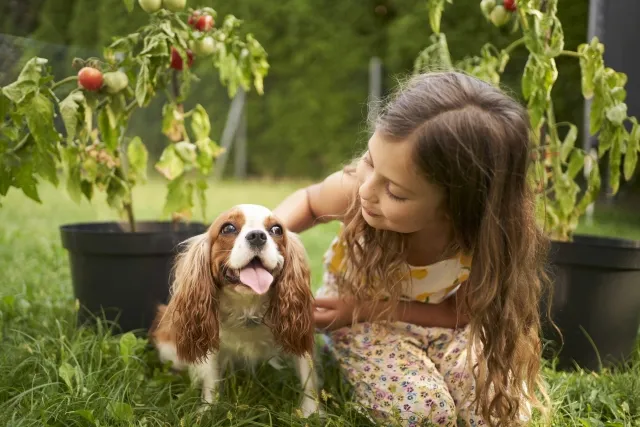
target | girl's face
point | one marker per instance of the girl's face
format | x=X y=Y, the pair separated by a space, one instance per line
x=393 y=194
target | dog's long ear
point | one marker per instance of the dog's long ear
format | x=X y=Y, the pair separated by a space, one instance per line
x=194 y=305
x=290 y=314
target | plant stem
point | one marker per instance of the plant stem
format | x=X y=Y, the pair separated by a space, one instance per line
x=63 y=81
x=514 y=45
x=570 y=53
x=131 y=106
x=21 y=144
x=128 y=207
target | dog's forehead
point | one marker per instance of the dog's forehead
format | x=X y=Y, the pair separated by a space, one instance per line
x=255 y=215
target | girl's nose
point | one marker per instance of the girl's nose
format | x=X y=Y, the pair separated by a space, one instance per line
x=368 y=190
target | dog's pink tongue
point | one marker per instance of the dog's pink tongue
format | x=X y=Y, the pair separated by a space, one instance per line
x=257 y=278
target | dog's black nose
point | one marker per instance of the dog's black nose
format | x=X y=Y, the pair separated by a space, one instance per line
x=257 y=238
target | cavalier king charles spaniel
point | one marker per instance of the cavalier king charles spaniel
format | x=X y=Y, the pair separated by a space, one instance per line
x=241 y=292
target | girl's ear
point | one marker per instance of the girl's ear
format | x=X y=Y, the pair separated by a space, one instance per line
x=290 y=313
x=194 y=305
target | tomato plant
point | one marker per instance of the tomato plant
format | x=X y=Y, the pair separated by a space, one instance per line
x=91 y=145
x=556 y=159
x=150 y=6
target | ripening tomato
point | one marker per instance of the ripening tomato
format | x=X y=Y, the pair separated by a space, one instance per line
x=174 y=5
x=204 y=47
x=510 y=5
x=176 y=59
x=499 y=16
x=115 y=81
x=204 y=23
x=150 y=6
x=90 y=78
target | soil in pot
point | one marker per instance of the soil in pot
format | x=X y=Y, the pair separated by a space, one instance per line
x=596 y=301
x=122 y=276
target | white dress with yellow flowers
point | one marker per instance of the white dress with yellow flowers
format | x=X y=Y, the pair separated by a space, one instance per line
x=402 y=371
x=430 y=284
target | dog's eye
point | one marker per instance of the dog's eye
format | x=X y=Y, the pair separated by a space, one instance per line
x=229 y=229
x=276 y=230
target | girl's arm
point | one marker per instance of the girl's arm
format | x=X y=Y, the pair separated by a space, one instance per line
x=318 y=203
x=334 y=313
x=447 y=314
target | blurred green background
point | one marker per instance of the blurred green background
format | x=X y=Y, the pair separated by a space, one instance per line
x=312 y=118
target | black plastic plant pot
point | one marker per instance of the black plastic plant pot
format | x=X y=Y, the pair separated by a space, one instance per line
x=121 y=276
x=596 y=301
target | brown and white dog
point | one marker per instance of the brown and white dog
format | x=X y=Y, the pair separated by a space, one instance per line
x=241 y=292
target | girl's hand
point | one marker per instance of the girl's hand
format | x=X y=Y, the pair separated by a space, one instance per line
x=333 y=313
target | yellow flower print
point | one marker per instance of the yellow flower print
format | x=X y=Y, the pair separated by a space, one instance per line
x=420 y=273
x=335 y=266
x=464 y=275
x=423 y=297
x=465 y=260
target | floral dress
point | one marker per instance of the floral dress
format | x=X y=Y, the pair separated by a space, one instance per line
x=414 y=375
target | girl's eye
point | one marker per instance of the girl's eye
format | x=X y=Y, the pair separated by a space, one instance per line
x=393 y=196
x=367 y=160
x=229 y=229
x=276 y=230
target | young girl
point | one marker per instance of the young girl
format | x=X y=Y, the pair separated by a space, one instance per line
x=439 y=237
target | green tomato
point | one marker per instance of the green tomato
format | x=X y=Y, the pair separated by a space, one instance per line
x=203 y=47
x=115 y=81
x=174 y=5
x=500 y=16
x=487 y=6
x=150 y=6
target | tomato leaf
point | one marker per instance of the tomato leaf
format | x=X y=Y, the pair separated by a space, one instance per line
x=69 y=110
x=201 y=191
x=207 y=152
x=27 y=182
x=186 y=151
x=179 y=196
x=576 y=163
x=200 y=124
x=141 y=84
x=19 y=90
x=528 y=77
x=138 y=156
x=109 y=134
x=170 y=164
x=569 y=142
x=172 y=122
x=129 y=5
x=436 y=7
x=116 y=191
x=631 y=156
x=39 y=113
x=617 y=114
x=615 y=159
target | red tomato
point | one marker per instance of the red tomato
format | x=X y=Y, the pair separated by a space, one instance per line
x=194 y=17
x=510 y=5
x=90 y=78
x=204 y=23
x=176 y=59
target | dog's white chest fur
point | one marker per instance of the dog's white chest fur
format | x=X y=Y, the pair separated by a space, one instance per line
x=243 y=335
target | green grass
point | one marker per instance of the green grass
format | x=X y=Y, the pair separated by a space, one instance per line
x=53 y=374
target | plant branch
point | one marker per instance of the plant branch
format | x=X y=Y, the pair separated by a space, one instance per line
x=514 y=45
x=20 y=144
x=63 y=82
x=571 y=54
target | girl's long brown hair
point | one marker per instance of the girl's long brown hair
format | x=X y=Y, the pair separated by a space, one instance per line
x=473 y=141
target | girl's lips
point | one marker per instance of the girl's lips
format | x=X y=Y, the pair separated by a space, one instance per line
x=368 y=212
